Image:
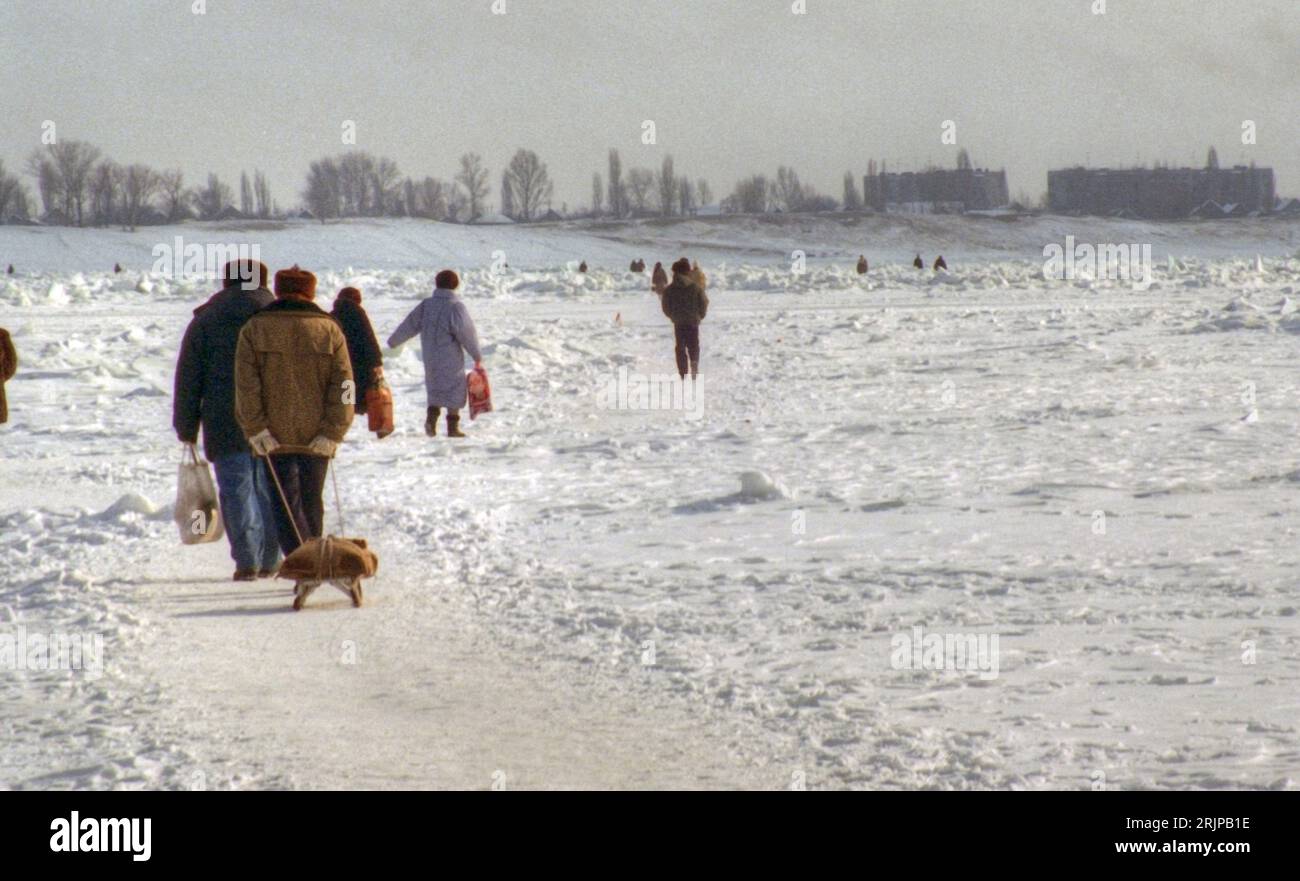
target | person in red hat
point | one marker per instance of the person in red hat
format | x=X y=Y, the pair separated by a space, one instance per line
x=294 y=397
x=685 y=304
x=205 y=398
x=446 y=334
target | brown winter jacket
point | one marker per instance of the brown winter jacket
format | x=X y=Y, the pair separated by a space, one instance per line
x=8 y=367
x=293 y=374
x=684 y=302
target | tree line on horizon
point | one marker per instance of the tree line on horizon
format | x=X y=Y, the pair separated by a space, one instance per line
x=78 y=186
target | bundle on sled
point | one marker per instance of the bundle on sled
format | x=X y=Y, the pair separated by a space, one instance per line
x=343 y=562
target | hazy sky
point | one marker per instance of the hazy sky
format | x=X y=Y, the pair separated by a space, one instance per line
x=733 y=86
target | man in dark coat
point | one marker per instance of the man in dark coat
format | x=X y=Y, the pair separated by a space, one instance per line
x=940 y=263
x=685 y=304
x=205 y=396
x=363 y=347
x=918 y=262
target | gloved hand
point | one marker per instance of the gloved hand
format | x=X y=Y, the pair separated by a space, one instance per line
x=263 y=443
x=323 y=446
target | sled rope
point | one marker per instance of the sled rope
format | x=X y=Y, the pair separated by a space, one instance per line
x=338 y=502
x=288 y=512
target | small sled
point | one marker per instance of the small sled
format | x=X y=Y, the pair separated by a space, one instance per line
x=303 y=589
x=342 y=562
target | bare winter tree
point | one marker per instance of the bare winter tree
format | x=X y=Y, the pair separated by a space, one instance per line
x=685 y=196
x=508 y=196
x=751 y=195
x=530 y=183
x=171 y=186
x=640 y=186
x=385 y=187
x=245 y=195
x=597 y=195
x=852 y=198
x=704 y=191
x=63 y=173
x=474 y=178
x=213 y=198
x=458 y=207
x=667 y=186
x=12 y=196
x=322 y=194
x=617 y=194
x=139 y=183
x=432 y=198
x=105 y=186
x=262 y=194
x=49 y=185
x=788 y=193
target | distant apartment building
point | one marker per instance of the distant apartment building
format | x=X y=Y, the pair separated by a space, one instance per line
x=1162 y=193
x=936 y=190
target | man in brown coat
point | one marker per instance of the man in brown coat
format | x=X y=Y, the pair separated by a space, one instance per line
x=685 y=304
x=8 y=367
x=294 y=397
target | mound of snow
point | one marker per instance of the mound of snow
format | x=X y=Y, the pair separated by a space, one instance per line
x=757 y=485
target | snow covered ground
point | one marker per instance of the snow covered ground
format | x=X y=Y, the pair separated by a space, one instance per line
x=1103 y=479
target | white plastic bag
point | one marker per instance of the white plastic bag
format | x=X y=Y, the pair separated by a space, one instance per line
x=197 y=515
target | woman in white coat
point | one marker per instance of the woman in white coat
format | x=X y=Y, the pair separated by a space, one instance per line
x=446 y=334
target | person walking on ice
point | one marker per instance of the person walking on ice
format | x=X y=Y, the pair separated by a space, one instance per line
x=293 y=398
x=446 y=334
x=685 y=304
x=205 y=398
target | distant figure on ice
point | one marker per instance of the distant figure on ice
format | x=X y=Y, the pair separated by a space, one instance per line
x=11 y=269
x=940 y=263
x=205 y=397
x=582 y=267
x=659 y=279
x=446 y=334
x=918 y=262
x=637 y=266
x=363 y=348
x=8 y=367
x=862 y=264
x=291 y=399
x=685 y=304
x=117 y=267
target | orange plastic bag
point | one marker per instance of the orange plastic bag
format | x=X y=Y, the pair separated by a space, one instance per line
x=379 y=409
x=480 y=392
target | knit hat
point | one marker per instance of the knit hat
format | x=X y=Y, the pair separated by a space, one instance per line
x=682 y=266
x=245 y=271
x=447 y=279
x=295 y=282
x=352 y=295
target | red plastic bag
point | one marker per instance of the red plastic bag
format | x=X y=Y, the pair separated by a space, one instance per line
x=379 y=409
x=480 y=392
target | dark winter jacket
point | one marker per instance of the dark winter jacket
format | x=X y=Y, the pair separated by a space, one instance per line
x=292 y=373
x=659 y=279
x=205 y=371
x=684 y=302
x=363 y=348
x=8 y=367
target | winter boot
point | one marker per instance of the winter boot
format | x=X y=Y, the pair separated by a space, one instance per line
x=431 y=421
x=453 y=426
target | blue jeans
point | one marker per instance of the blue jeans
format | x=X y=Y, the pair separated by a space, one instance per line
x=247 y=510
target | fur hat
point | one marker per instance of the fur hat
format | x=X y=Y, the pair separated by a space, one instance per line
x=245 y=271
x=447 y=279
x=295 y=282
x=352 y=295
x=682 y=266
